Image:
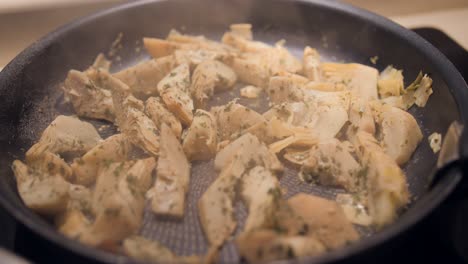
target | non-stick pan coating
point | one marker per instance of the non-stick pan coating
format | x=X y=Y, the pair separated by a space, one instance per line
x=31 y=98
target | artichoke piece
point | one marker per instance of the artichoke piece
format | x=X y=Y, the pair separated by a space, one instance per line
x=42 y=193
x=356 y=211
x=66 y=134
x=242 y=30
x=87 y=98
x=159 y=114
x=118 y=202
x=132 y=122
x=158 y=48
x=390 y=82
x=215 y=207
x=48 y=163
x=200 y=141
x=209 y=77
x=418 y=92
x=387 y=189
x=250 y=91
x=173 y=176
x=174 y=91
x=360 y=79
x=330 y=112
x=256 y=188
x=234 y=119
x=263 y=246
x=399 y=131
x=150 y=251
x=286 y=88
x=325 y=219
x=144 y=76
x=114 y=149
x=311 y=62
x=335 y=166
x=253 y=153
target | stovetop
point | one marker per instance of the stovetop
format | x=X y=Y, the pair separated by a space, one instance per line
x=430 y=242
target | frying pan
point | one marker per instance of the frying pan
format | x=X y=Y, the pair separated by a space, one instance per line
x=29 y=97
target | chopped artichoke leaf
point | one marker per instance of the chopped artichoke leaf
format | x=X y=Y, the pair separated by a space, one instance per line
x=415 y=84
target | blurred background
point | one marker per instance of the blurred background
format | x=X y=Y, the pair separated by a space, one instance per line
x=24 y=21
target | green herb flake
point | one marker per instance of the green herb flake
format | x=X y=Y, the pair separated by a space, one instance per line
x=204 y=125
x=50 y=166
x=118 y=170
x=112 y=212
x=224 y=211
x=131 y=179
x=107 y=162
x=62 y=170
x=415 y=84
x=275 y=192
x=362 y=173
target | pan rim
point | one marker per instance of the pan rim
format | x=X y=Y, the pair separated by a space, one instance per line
x=425 y=205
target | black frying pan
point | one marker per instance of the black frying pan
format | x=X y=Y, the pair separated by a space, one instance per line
x=340 y=32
